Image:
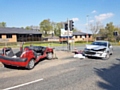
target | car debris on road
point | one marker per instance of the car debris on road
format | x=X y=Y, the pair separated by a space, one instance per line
x=78 y=54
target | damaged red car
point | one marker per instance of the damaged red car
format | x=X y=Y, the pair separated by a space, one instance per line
x=26 y=57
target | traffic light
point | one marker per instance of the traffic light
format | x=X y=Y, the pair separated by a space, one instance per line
x=66 y=26
x=71 y=25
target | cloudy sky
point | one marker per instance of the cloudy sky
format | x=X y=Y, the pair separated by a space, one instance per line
x=21 y=13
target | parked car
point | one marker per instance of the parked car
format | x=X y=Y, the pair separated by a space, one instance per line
x=101 y=49
x=26 y=57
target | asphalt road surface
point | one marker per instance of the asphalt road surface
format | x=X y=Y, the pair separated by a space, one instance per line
x=65 y=73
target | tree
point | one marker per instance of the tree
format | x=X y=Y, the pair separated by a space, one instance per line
x=58 y=28
x=22 y=27
x=107 y=32
x=110 y=28
x=95 y=27
x=28 y=28
x=46 y=27
x=117 y=29
x=102 y=33
x=2 y=24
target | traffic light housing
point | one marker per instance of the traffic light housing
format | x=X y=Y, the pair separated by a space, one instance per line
x=66 y=26
x=71 y=25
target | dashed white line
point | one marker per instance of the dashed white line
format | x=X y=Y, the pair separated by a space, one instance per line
x=17 y=86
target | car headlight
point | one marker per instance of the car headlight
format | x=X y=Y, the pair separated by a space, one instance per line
x=99 y=52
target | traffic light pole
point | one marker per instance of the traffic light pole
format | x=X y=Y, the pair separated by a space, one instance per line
x=68 y=35
x=68 y=26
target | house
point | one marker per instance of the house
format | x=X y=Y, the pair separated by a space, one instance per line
x=51 y=38
x=77 y=36
x=19 y=35
x=81 y=36
x=65 y=39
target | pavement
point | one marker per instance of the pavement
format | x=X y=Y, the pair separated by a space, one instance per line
x=1 y=65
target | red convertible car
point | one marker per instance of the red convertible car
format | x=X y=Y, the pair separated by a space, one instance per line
x=26 y=57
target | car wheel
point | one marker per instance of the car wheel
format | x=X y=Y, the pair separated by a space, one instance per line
x=107 y=56
x=31 y=64
x=49 y=56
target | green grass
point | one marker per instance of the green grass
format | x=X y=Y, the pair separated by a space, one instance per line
x=50 y=44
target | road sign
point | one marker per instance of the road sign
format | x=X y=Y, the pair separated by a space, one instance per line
x=66 y=33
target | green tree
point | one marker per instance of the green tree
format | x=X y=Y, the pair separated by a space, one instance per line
x=110 y=28
x=58 y=28
x=22 y=27
x=117 y=37
x=28 y=28
x=107 y=32
x=102 y=33
x=46 y=27
x=2 y=24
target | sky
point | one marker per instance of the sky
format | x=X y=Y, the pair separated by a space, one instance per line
x=22 y=13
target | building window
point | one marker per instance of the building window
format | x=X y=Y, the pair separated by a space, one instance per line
x=80 y=36
x=0 y=36
x=89 y=36
x=9 y=35
x=75 y=36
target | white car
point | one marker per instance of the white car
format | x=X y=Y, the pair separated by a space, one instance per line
x=101 y=49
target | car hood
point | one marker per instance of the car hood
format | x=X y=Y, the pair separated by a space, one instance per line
x=95 y=47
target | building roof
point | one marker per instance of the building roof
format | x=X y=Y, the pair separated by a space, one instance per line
x=79 y=33
x=8 y=30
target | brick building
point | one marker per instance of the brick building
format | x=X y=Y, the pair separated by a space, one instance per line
x=81 y=36
x=19 y=35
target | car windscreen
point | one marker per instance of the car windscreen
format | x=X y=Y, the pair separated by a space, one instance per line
x=100 y=43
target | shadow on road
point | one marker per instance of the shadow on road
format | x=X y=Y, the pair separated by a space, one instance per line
x=111 y=76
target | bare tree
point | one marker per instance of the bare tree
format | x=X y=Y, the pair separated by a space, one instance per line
x=95 y=27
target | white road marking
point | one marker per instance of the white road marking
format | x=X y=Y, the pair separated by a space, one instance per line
x=17 y=86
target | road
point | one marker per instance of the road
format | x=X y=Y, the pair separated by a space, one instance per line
x=65 y=73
